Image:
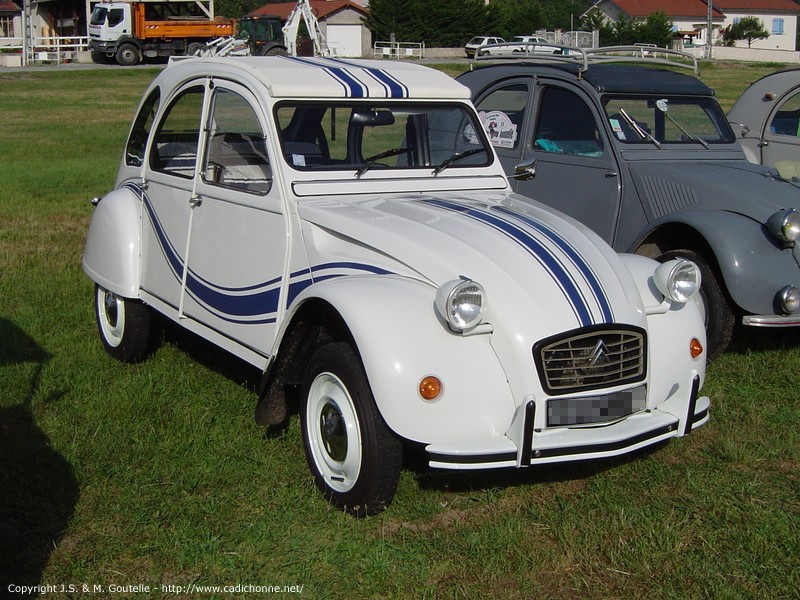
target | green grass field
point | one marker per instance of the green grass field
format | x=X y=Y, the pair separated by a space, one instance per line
x=156 y=475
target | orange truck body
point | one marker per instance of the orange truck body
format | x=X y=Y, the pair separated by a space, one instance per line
x=179 y=28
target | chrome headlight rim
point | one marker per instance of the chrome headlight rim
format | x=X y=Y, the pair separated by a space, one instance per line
x=461 y=303
x=788 y=298
x=785 y=225
x=679 y=280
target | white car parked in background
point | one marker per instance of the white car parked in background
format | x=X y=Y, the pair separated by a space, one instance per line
x=346 y=227
x=479 y=41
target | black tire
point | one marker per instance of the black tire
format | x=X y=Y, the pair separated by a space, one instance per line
x=354 y=457
x=273 y=51
x=127 y=55
x=195 y=48
x=124 y=325
x=719 y=314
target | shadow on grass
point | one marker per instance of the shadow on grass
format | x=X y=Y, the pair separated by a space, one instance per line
x=758 y=339
x=38 y=489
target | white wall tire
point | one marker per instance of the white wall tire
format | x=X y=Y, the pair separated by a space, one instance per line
x=354 y=457
x=123 y=324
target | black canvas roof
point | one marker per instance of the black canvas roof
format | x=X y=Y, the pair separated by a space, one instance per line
x=614 y=78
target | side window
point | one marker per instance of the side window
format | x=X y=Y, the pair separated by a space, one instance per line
x=115 y=16
x=787 y=119
x=237 y=150
x=566 y=125
x=174 y=150
x=134 y=151
x=502 y=113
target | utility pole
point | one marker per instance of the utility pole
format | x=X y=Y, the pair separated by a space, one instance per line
x=709 y=28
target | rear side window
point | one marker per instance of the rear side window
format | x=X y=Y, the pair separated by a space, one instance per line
x=140 y=132
x=786 y=120
x=502 y=113
x=174 y=149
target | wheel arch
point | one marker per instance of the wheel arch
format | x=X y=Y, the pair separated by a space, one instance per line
x=111 y=255
x=396 y=352
x=736 y=247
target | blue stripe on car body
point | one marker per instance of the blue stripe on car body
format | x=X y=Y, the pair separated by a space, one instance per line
x=546 y=258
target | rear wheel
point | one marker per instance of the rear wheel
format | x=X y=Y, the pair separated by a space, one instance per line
x=124 y=325
x=354 y=457
x=195 y=49
x=127 y=55
x=718 y=311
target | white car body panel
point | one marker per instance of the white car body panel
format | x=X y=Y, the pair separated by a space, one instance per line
x=237 y=268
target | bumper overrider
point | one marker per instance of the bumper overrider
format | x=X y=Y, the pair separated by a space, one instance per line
x=524 y=445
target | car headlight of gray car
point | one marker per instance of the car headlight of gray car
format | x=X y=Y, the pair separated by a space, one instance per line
x=462 y=303
x=785 y=225
x=679 y=280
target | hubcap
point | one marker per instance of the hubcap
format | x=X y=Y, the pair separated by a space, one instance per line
x=110 y=317
x=333 y=434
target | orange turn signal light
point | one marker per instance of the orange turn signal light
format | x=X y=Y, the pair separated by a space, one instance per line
x=695 y=348
x=430 y=388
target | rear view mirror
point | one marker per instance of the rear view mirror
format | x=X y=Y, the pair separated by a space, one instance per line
x=372 y=118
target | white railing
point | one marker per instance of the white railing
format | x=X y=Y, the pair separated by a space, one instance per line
x=48 y=48
x=398 y=50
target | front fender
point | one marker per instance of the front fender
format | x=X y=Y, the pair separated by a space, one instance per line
x=113 y=244
x=401 y=339
x=752 y=263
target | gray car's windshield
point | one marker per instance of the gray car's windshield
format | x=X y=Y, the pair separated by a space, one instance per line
x=660 y=120
x=370 y=136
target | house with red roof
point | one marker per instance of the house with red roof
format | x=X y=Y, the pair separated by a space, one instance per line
x=10 y=20
x=339 y=20
x=690 y=18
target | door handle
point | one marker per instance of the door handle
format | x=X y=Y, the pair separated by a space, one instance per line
x=195 y=201
x=611 y=174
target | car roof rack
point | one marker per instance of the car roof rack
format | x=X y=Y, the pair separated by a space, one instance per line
x=584 y=57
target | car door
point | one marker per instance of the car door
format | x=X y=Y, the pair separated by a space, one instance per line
x=216 y=244
x=555 y=131
x=780 y=139
x=237 y=229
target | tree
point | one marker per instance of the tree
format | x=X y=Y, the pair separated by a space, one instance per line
x=657 y=29
x=446 y=23
x=515 y=17
x=747 y=28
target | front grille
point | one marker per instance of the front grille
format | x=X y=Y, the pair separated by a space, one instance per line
x=591 y=358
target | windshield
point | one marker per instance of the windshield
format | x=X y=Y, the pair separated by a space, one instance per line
x=667 y=120
x=99 y=15
x=360 y=136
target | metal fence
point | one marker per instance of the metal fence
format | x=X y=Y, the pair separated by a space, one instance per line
x=398 y=50
x=46 y=49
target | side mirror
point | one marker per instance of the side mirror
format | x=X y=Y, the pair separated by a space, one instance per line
x=525 y=171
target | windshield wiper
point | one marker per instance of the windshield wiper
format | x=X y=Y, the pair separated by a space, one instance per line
x=638 y=128
x=456 y=157
x=370 y=162
x=691 y=136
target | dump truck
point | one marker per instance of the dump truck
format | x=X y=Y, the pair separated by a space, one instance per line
x=129 y=32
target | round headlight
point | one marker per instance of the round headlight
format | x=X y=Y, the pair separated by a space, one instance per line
x=461 y=302
x=678 y=279
x=785 y=225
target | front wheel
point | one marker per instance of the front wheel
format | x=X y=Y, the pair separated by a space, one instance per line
x=718 y=312
x=354 y=457
x=127 y=55
x=124 y=325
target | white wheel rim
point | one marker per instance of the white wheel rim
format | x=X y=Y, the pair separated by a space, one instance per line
x=111 y=316
x=334 y=436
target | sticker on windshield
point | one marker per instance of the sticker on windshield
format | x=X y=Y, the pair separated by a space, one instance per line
x=617 y=129
x=501 y=131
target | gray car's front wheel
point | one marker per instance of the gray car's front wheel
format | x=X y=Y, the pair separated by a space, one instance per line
x=718 y=312
x=124 y=325
x=355 y=458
